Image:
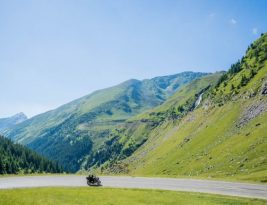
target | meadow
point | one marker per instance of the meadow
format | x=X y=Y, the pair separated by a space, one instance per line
x=109 y=196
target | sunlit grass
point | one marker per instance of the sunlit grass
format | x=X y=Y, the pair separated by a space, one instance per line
x=108 y=196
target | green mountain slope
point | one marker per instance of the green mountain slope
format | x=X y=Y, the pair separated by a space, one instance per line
x=71 y=133
x=15 y=158
x=224 y=136
x=129 y=136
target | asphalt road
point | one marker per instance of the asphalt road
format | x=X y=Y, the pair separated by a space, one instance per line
x=192 y=185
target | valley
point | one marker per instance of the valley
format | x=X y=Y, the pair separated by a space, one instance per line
x=185 y=125
x=133 y=102
x=74 y=132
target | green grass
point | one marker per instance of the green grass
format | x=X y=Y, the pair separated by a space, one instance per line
x=215 y=150
x=211 y=141
x=109 y=196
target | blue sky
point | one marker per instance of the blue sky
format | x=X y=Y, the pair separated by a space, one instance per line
x=52 y=52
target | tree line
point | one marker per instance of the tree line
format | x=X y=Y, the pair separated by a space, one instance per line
x=16 y=158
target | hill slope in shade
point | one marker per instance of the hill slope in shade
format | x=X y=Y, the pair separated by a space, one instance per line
x=224 y=136
x=15 y=158
x=72 y=132
x=6 y=123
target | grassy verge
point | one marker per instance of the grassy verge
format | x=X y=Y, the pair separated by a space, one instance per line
x=108 y=196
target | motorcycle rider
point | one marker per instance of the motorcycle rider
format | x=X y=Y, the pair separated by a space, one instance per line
x=91 y=178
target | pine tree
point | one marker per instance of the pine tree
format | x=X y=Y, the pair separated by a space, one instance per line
x=15 y=158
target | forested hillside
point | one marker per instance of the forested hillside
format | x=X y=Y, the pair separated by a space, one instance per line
x=215 y=131
x=15 y=158
x=75 y=131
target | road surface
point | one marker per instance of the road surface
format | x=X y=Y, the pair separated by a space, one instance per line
x=191 y=185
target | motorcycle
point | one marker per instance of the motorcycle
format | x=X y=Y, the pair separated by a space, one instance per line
x=93 y=181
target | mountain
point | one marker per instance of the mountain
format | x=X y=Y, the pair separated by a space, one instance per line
x=6 y=123
x=216 y=131
x=132 y=135
x=73 y=132
x=15 y=158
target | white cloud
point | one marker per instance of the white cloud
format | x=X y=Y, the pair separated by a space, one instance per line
x=255 y=31
x=233 y=21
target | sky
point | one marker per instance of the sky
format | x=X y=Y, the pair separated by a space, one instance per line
x=52 y=52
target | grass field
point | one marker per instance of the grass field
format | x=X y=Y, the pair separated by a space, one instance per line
x=208 y=143
x=109 y=196
x=200 y=148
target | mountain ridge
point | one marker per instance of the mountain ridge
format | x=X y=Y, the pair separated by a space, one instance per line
x=224 y=137
x=70 y=132
x=8 y=122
